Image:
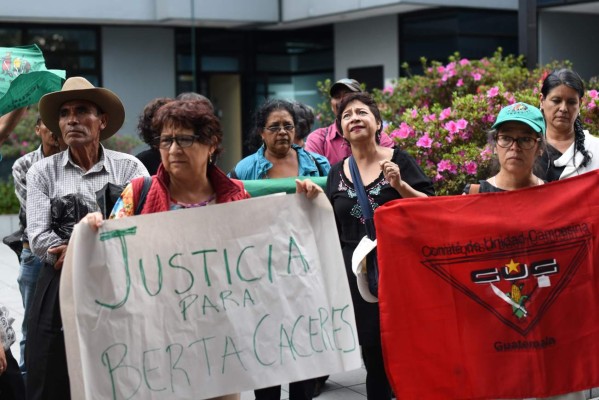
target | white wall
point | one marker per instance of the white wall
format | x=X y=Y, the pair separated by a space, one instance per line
x=138 y=64
x=297 y=10
x=77 y=10
x=366 y=43
x=223 y=10
x=558 y=39
x=148 y=11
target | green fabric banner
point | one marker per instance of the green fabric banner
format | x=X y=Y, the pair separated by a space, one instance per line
x=263 y=187
x=24 y=78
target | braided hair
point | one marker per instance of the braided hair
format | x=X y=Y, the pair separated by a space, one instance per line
x=579 y=143
x=571 y=79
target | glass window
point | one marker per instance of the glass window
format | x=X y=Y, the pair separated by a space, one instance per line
x=73 y=49
x=183 y=62
x=473 y=33
x=283 y=64
x=10 y=37
x=219 y=64
x=64 y=39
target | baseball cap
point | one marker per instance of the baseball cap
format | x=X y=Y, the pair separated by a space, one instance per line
x=522 y=112
x=348 y=84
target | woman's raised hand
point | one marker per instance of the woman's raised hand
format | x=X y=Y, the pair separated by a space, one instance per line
x=93 y=220
x=391 y=173
x=308 y=187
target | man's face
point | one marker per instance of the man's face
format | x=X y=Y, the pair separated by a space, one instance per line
x=337 y=98
x=45 y=135
x=80 y=123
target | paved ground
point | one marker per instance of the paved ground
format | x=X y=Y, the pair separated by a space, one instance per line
x=10 y=297
x=346 y=386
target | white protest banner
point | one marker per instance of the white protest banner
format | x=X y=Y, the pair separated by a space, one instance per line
x=205 y=302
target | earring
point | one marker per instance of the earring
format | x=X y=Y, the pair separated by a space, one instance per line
x=210 y=158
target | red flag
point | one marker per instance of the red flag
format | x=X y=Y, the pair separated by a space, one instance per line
x=491 y=295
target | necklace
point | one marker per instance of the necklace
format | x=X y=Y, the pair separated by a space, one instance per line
x=200 y=204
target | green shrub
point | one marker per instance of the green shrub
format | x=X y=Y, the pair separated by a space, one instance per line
x=23 y=139
x=9 y=204
x=123 y=143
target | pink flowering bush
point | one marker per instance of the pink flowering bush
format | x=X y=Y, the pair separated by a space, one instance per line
x=443 y=116
x=323 y=114
x=23 y=139
x=123 y=143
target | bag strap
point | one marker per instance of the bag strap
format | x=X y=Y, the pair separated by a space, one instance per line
x=362 y=198
x=316 y=164
x=144 y=193
x=474 y=188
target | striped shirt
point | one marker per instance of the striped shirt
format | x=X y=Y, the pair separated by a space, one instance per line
x=57 y=176
x=19 y=173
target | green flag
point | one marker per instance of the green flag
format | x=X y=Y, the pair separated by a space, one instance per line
x=262 y=187
x=24 y=78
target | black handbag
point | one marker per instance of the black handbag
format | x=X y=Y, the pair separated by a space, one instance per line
x=110 y=194
x=66 y=211
x=107 y=198
x=372 y=266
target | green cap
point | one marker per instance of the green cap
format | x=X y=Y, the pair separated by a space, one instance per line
x=522 y=112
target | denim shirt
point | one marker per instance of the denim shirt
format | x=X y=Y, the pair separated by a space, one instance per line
x=256 y=166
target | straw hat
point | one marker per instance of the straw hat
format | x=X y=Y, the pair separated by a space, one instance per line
x=79 y=88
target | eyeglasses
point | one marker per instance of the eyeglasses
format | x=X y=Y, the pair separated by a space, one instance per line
x=183 y=141
x=525 y=142
x=277 y=128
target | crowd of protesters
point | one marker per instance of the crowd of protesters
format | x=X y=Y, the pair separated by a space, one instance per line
x=533 y=144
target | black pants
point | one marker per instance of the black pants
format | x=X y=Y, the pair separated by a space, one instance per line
x=45 y=354
x=11 y=380
x=301 y=390
x=377 y=385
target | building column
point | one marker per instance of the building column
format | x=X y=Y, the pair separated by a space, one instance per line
x=528 y=37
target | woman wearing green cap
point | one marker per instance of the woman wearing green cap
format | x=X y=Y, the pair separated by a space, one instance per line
x=518 y=139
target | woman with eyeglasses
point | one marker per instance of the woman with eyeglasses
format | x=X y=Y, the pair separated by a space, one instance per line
x=189 y=142
x=278 y=157
x=518 y=139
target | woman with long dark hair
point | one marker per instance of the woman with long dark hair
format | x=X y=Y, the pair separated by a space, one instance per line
x=571 y=150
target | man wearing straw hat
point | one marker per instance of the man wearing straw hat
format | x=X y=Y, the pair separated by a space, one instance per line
x=84 y=115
